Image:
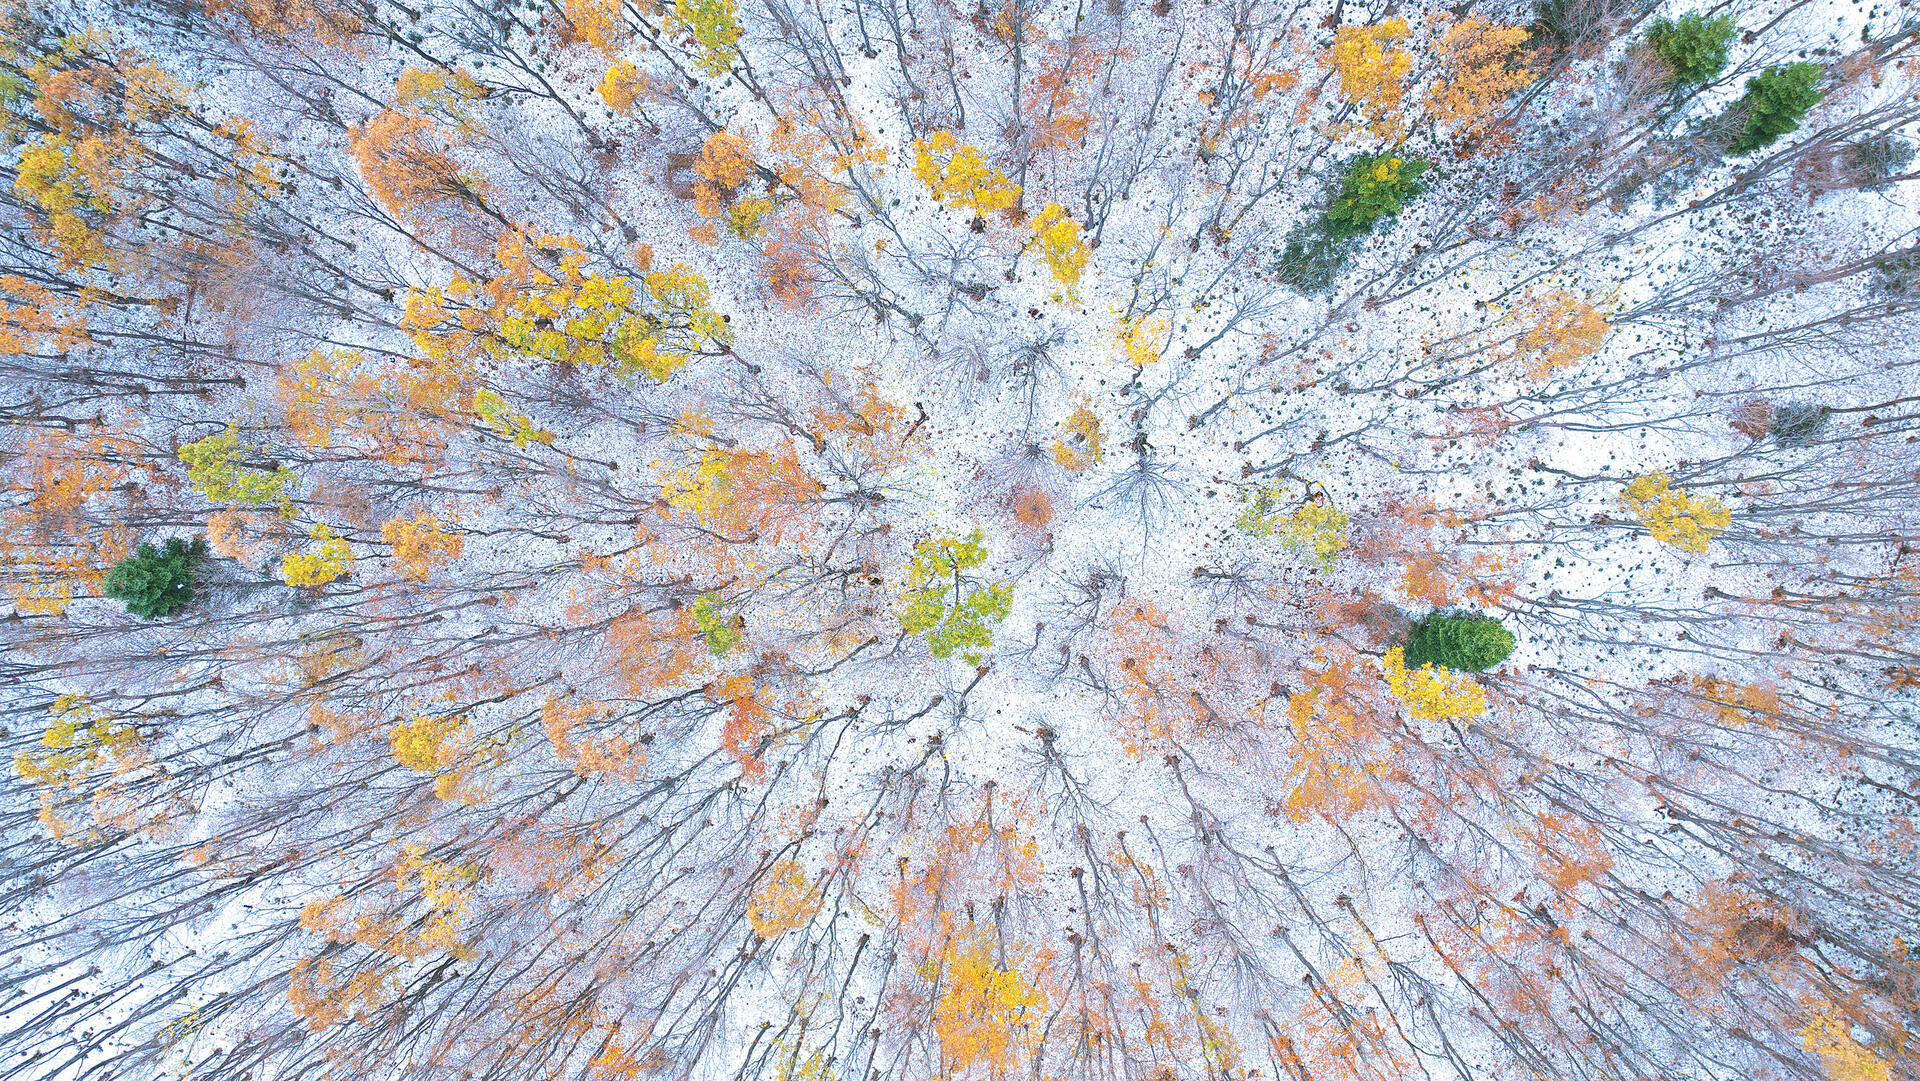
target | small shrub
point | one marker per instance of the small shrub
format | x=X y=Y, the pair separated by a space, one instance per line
x=1873 y=163
x=1695 y=46
x=1776 y=101
x=1899 y=276
x=1464 y=643
x=1797 y=424
x=1376 y=186
x=156 y=583
x=1568 y=24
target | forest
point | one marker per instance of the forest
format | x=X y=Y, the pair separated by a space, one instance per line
x=908 y=540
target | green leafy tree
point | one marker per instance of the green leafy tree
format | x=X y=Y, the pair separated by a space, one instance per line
x=1776 y=101
x=722 y=632
x=1375 y=186
x=216 y=467
x=952 y=611
x=1695 y=46
x=1465 y=643
x=154 y=582
x=1319 y=529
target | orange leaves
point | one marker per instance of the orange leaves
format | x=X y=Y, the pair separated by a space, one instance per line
x=42 y=320
x=323 y=1000
x=1736 y=705
x=744 y=494
x=1482 y=64
x=646 y=654
x=421 y=545
x=1178 y=687
x=1560 y=328
x=747 y=724
x=407 y=161
x=613 y=757
x=1568 y=851
x=1343 y=739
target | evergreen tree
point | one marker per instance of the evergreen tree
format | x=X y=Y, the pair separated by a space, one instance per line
x=1465 y=643
x=1776 y=100
x=1694 y=45
x=156 y=583
x=1376 y=186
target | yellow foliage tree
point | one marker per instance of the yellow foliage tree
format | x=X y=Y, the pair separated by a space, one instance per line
x=1372 y=71
x=443 y=747
x=1060 y=244
x=1141 y=338
x=956 y=174
x=1083 y=445
x=333 y=559
x=782 y=901
x=1559 y=328
x=987 y=1017
x=622 y=85
x=1828 y=1035
x=1686 y=522
x=1433 y=694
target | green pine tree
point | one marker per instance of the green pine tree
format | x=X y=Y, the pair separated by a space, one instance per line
x=1776 y=100
x=1695 y=46
x=1464 y=643
x=156 y=583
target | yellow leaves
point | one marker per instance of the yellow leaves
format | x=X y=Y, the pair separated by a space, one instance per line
x=331 y=560
x=71 y=180
x=546 y=305
x=87 y=749
x=421 y=545
x=987 y=1016
x=1431 y=693
x=76 y=740
x=956 y=174
x=1083 y=445
x=417 y=744
x=1058 y=236
x=1142 y=337
x=713 y=27
x=1675 y=518
x=782 y=901
x=622 y=85
x=443 y=747
x=1482 y=64
x=437 y=89
x=1559 y=328
x=1829 y=1034
x=1372 y=71
x=492 y=410
x=216 y=467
